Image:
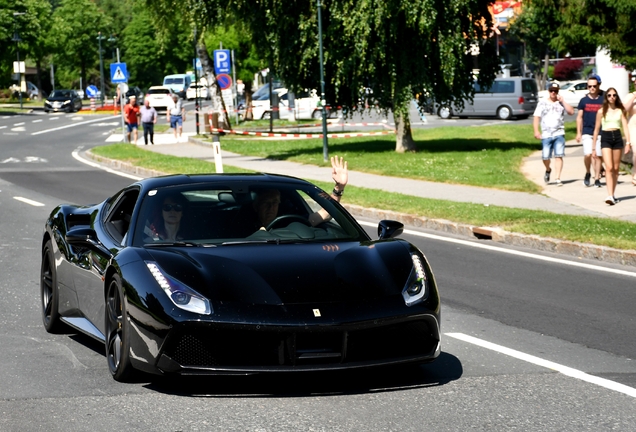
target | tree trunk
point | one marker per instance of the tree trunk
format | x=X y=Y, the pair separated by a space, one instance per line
x=218 y=105
x=403 y=137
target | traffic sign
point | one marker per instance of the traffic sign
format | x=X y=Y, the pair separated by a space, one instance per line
x=91 y=91
x=118 y=73
x=224 y=80
x=222 y=62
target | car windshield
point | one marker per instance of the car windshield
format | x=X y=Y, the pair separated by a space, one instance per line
x=223 y=215
x=158 y=91
x=173 y=81
x=60 y=94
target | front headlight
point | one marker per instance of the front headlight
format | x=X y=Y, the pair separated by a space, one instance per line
x=66 y=102
x=181 y=295
x=416 y=289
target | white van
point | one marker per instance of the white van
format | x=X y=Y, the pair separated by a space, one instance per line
x=178 y=83
x=506 y=98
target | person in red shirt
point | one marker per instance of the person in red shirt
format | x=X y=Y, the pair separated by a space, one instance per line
x=131 y=116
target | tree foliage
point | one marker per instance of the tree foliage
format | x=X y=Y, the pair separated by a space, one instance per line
x=395 y=47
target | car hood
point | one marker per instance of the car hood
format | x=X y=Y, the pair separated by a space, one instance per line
x=291 y=273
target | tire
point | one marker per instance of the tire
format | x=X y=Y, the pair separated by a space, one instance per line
x=49 y=292
x=317 y=114
x=444 y=112
x=117 y=333
x=266 y=115
x=504 y=113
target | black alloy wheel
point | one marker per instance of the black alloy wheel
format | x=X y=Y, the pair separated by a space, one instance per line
x=117 y=333
x=49 y=292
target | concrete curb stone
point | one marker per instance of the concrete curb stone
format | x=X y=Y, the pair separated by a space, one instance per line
x=498 y=235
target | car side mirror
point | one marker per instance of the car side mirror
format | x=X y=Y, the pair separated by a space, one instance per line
x=389 y=229
x=85 y=237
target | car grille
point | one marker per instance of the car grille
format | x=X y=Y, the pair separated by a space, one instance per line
x=226 y=348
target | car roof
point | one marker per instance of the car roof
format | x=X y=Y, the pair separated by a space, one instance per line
x=159 y=87
x=228 y=179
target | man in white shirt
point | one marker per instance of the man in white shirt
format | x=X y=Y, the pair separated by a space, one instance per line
x=176 y=116
x=550 y=113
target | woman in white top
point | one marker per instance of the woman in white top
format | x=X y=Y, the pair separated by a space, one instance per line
x=630 y=106
x=612 y=117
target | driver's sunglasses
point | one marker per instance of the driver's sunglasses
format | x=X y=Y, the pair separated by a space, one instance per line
x=554 y=91
x=592 y=86
x=170 y=207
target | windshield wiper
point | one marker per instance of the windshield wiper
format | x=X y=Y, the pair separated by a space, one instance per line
x=177 y=243
x=267 y=241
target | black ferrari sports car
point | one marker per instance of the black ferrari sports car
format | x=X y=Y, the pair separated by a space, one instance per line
x=180 y=275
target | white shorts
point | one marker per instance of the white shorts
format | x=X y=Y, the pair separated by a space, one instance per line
x=587 y=145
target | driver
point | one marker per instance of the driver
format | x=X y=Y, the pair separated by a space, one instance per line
x=266 y=204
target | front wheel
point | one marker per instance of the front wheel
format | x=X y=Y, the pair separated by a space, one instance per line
x=49 y=293
x=117 y=333
x=504 y=113
x=444 y=112
x=317 y=114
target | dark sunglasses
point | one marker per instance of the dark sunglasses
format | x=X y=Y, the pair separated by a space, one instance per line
x=170 y=207
x=554 y=91
x=592 y=86
x=611 y=95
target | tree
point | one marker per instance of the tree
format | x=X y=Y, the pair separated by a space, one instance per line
x=601 y=23
x=32 y=28
x=397 y=48
x=73 y=35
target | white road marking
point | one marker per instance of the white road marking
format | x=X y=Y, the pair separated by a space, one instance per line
x=28 y=201
x=18 y=124
x=513 y=252
x=2 y=127
x=67 y=126
x=36 y=121
x=108 y=170
x=18 y=129
x=565 y=370
x=10 y=160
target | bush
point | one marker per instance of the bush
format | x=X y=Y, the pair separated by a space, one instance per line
x=567 y=69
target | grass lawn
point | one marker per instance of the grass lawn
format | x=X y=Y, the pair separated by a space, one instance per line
x=486 y=156
x=600 y=231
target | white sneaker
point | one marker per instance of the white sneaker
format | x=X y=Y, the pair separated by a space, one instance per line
x=559 y=182
x=610 y=200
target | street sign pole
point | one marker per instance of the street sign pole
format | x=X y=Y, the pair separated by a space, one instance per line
x=325 y=151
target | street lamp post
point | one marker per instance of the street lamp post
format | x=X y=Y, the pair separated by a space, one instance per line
x=325 y=151
x=101 y=65
x=16 y=39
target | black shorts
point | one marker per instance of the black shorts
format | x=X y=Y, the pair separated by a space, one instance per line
x=612 y=139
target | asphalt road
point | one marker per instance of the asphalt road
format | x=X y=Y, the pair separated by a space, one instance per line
x=532 y=341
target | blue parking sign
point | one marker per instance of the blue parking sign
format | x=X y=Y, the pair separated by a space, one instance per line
x=222 y=62
x=118 y=73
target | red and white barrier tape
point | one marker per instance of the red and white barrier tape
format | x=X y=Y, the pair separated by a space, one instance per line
x=296 y=135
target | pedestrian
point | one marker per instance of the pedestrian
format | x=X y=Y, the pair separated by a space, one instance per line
x=176 y=116
x=550 y=113
x=131 y=116
x=585 y=122
x=610 y=118
x=148 y=120
x=630 y=107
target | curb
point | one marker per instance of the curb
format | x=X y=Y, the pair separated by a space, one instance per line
x=498 y=235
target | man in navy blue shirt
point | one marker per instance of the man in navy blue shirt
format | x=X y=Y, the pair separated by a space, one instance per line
x=585 y=122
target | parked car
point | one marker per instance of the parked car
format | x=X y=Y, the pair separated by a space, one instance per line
x=63 y=100
x=32 y=92
x=160 y=97
x=572 y=92
x=507 y=98
x=136 y=91
x=191 y=93
x=304 y=105
x=228 y=297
